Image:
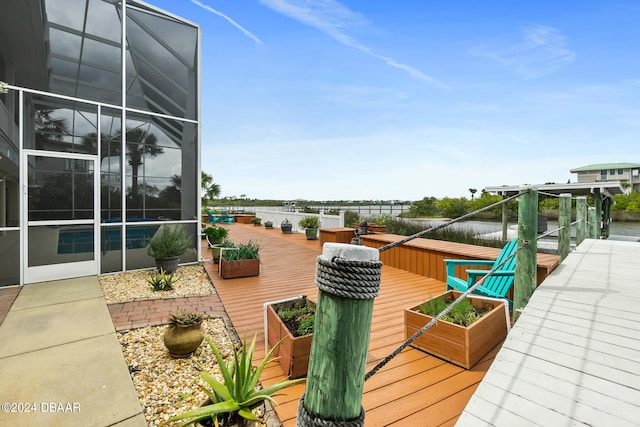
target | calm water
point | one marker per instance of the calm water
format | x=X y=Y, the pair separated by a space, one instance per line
x=616 y=228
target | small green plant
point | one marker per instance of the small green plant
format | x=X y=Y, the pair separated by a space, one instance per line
x=239 y=392
x=216 y=234
x=309 y=222
x=162 y=281
x=464 y=314
x=248 y=250
x=185 y=318
x=286 y=221
x=256 y=220
x=300 y=320
x=170 y=240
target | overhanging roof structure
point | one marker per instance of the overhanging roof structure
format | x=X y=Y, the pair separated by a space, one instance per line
x=607 y=188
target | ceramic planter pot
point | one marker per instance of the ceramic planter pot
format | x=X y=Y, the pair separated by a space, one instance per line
x=463 y=346
x=181 y=341
x=293 y=352
x=239 y=268
x=286 y=228
x=312 y=233
x=168 y=264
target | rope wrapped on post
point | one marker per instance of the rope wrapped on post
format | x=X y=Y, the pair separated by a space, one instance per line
x=349 y=279
x=305 y=419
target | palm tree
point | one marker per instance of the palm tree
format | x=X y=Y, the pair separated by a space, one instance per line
x=139 y=143
x=210 y=190
x=472 y=191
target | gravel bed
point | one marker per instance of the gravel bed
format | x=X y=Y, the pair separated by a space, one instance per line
x=166 y=386
x=191 y=280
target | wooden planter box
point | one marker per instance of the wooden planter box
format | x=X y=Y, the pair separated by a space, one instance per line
x=240 y=268
x=373 y=228
x=293 y=352
x=463 y=346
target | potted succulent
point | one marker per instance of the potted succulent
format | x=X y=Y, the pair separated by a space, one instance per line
x=290 y=323
x=268 y=224
x=472 y=328
x=166 y=246
x=240 y=260
x=286 y=226
x=215 y=234
x=310 y=225
x=184 y=334
x=256 y=221
x=232 y=401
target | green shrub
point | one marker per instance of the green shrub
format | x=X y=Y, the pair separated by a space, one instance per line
x=248 y=250
x=170 y=240
x=309 y=222
x=465 y=313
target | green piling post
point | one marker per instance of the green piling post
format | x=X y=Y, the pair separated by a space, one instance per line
x=335 y=378
x=526 y=265
x=597 y=202
x=581 y=218
x=505 y=220
x=606 y=216
x=593 y=222
x=564 y=223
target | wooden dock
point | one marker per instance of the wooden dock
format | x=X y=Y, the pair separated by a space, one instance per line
x=413 y=389
x=573 y=357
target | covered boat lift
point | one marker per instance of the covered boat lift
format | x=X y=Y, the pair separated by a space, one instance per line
x=602 y=193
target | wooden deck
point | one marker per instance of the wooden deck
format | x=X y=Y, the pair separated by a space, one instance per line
x=413 y=389
x=573 y=357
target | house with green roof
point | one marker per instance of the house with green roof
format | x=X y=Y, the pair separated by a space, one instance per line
x=628 y=174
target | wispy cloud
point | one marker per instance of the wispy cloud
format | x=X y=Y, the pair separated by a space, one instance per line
x=231 y=21
x=542 y=51
x=335 y=19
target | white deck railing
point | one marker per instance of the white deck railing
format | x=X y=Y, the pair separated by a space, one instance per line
x=326 y=221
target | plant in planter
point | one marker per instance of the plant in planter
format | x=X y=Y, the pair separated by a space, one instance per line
x=166 y=246
x=310 y=225
x=184 y=334
x=233 y=400
x=291 y=324
x=480 y=324
x=286 y=226
x=215 y=234
x=240 y=260
x=218 y=248
x=256 y=221
x=268 y=224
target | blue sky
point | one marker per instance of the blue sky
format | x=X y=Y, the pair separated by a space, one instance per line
x=403 y=99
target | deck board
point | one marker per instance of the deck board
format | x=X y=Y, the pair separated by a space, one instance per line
x=573 y=357
x=413 y=386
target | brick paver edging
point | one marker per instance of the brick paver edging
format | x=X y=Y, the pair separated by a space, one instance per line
x=153 y=312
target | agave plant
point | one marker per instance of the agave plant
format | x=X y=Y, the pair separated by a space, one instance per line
x=239 y=392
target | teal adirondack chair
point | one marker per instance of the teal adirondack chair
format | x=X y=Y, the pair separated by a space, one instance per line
x=225 y=218
x=496 y=286
x=212 y=219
